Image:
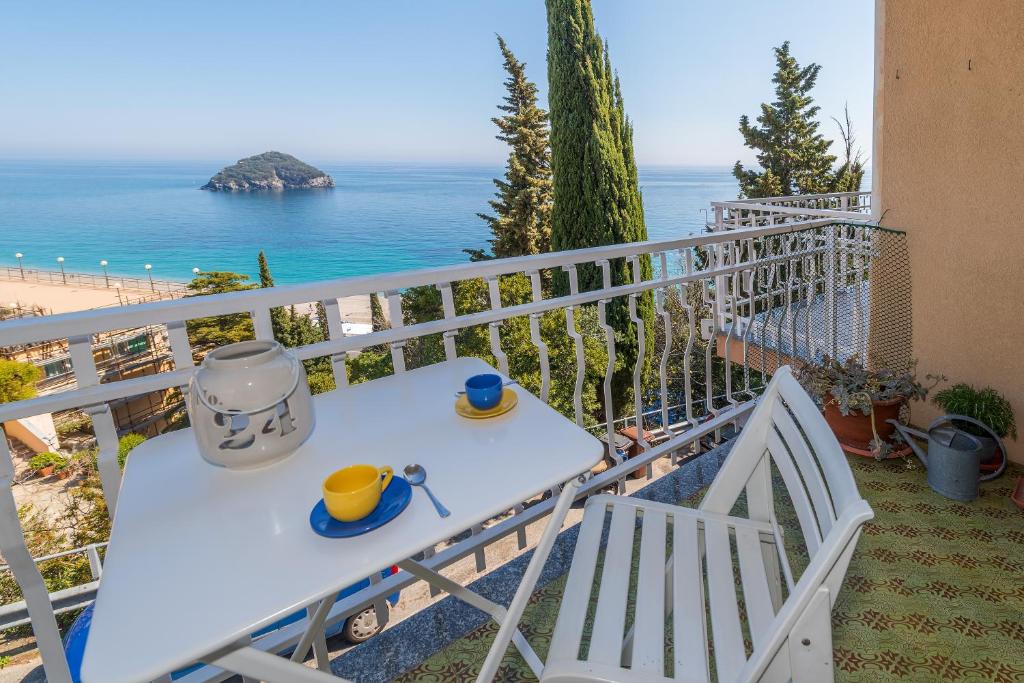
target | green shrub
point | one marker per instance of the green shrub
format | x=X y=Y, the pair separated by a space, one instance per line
x=321 y=382
x=78 y=425
x=125 y=445
x=985 y=405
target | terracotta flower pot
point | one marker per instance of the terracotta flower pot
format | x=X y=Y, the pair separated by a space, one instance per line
x=636 y=449
x=854 y=430
x=45 y=471
x=64 y=473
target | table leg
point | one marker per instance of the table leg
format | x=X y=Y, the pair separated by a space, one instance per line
x=320 y=653
x=509 y=626
x=507 y=619
x=314 y=635
x=497 y=612
x=269 y=668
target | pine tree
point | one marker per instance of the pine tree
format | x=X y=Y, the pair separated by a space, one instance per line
x=596 y=190
x=522 y=221
x=280 y=321
x=207 y=333
x=792 y=154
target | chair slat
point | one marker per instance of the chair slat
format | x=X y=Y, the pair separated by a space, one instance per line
x=797 y=493
x=730 y=655
x=823 y=442
x=756 y=592
x=689 y=630
x=649 y=622
x=610 y=619
x=808 y=467
x=569 y=626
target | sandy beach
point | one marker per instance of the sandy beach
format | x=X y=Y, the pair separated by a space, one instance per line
x=56 y=298
x=62 y=298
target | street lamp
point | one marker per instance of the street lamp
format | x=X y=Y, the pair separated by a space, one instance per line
x=195 y=271
x=21 y=266
x=149 y=269
x=60 y=260
x=106 y=279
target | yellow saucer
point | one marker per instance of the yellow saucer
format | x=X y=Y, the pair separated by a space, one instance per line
x=507 y=403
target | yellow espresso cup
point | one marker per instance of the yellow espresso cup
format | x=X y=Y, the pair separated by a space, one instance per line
x=353 y=492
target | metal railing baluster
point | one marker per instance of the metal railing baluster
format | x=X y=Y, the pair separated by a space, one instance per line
x=84 y=366
x=577 y=339
x=609 y=333
x=448 y=306
x=336 y=330
x=638 y=368
x=542 y=347
x=26 y=573
x=666 y=319
x=397 y=318
x=494 y=329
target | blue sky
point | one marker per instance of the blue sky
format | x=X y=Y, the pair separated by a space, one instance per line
x=401 y=80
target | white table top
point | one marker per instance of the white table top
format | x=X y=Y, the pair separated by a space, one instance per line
x=201 y=556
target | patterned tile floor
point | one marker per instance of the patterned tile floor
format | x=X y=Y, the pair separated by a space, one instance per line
x=935 y=591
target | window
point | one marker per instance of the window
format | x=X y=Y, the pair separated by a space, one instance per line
x=55 y=368
x=132 y=346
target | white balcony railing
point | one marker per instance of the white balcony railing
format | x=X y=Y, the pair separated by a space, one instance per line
x=716 y=298
x=767 y=211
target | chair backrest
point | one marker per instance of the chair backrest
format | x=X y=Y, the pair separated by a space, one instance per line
x=788 y=430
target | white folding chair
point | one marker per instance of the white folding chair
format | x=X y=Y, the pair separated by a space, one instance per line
x=691 y=562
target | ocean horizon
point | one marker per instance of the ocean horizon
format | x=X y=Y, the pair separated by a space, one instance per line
x=381 y=217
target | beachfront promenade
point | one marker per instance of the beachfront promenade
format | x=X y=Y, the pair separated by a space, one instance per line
x=83 y=292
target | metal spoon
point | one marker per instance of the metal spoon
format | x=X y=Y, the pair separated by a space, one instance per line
x=416 y=475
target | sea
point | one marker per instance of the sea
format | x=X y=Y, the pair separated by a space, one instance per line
x=380 y=217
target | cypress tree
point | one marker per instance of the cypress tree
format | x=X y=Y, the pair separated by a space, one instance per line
x=792 y=154
x=596 y=191
x=280 y=320
x=377 y=319
x=522 y=221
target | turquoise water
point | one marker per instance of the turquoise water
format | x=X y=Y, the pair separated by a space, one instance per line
x=379 y=218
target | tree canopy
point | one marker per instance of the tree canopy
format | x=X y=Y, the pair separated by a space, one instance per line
x=595 y=185
x=208 y=333
x=521 y=223
x=18 y=380
x=792 y=154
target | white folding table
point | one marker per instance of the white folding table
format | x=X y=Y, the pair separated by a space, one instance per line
x=200 y=557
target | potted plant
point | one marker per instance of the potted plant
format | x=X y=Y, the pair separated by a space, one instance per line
x=985 y=405
x=44 y=464
x=62 y=468
x=858 y=401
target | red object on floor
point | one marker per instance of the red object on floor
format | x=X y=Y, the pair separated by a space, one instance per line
x=865 y=453
x=994 y=464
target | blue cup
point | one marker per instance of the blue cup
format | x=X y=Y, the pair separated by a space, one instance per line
x=484 y=391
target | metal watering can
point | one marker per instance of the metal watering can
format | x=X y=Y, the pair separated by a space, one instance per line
x=953 y=457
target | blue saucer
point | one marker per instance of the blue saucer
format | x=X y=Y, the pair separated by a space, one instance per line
x=393 y=500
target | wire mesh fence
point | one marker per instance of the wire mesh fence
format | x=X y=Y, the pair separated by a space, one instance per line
x=839 y=291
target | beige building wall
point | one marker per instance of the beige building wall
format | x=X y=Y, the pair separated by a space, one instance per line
x=949 y=169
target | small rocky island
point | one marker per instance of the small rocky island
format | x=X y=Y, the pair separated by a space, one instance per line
x=273 y=171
